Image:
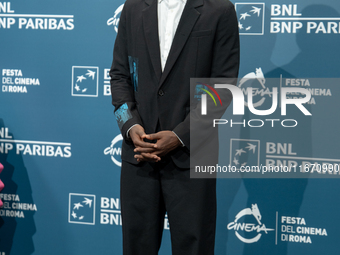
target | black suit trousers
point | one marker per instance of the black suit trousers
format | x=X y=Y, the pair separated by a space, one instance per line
x=148 y=191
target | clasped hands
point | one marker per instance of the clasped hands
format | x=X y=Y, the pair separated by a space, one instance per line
x=166 y=141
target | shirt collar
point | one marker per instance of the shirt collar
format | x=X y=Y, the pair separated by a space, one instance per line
x=184 y=1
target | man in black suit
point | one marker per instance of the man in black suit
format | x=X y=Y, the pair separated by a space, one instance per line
x=151 y=94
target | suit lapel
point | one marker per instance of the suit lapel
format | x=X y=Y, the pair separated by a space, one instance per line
x=186 y=24
x=150 y=25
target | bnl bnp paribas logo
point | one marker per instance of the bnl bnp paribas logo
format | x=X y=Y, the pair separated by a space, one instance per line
x=85 y=81
x=82 y=209
x=244 y=152
x=9 y=19
x=251 y=18
x=284 y=19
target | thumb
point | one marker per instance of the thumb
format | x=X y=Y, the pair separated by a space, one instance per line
x=152 y=136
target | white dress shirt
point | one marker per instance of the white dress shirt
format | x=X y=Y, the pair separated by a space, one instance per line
x=169 y=14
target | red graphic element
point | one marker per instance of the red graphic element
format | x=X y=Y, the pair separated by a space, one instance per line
x=215 y=92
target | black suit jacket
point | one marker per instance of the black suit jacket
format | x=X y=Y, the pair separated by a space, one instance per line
x=206 y=44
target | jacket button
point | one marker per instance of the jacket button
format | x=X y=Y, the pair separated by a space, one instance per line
x=161 y=93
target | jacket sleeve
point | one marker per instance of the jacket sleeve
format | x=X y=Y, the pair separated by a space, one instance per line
x=225 y=64
x=122 y=89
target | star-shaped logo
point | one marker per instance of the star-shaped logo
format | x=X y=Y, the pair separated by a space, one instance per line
x=85 y=81
x=256 y=10
x=244 y=16
x=87 y=202
x=80 y=78
x=244 y=152
x=77 y=206
x=251 y=147
x=74 y=215
x=239 y=152
x=91 y=74
x=251 y=18
x=82 y=208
